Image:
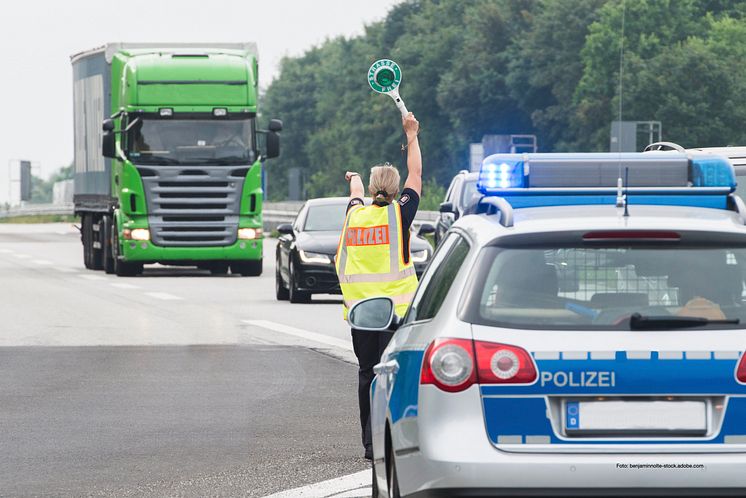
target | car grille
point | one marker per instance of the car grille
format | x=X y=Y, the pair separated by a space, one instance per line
x=193 y=206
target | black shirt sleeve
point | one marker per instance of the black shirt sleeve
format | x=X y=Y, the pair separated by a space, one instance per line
x=409 y=202
x=355 y=201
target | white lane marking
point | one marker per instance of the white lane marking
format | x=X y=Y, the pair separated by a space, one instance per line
x=41 y=262
x=349 y=486
x=22 y=256
x=303 y=334
x=165 y=296
x=6 y=251
x=92 y=277
x=65 y=270
x=122 y=285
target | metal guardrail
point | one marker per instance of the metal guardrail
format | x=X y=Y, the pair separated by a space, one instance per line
x=274 y=213
x=36 y=209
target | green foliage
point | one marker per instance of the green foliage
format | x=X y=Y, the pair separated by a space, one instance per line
x=41 y=189
x=476 y=67
x=433 y=194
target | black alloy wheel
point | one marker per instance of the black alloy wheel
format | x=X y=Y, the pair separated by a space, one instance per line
x=281 y=292
x=296 y=296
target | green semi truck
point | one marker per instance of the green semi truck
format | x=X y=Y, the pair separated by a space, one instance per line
x=168 y=158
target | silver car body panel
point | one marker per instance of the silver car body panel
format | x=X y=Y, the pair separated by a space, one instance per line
x=441 y=440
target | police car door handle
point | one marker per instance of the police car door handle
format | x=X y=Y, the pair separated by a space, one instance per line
x=388 y=367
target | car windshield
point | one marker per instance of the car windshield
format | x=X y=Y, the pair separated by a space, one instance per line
x=601 y=288
x=190 y=141
x=325 y=218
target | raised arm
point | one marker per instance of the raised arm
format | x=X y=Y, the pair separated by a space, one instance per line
x=357 y=189
x=414 y=156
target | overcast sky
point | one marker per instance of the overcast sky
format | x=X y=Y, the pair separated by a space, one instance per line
x=38 y=38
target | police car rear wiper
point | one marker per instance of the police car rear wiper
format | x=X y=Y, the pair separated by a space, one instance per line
x=641 y=322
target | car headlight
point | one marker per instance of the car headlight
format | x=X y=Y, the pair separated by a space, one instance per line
x=136 y=234
x=420 y=256
x=314 y=257
x=249 y=233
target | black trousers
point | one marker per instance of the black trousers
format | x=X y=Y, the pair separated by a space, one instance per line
x=368 y=347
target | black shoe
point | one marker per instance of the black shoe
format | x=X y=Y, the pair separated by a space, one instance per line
x=369 y=453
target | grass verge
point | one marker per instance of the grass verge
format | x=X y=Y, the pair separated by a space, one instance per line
x=41 y=218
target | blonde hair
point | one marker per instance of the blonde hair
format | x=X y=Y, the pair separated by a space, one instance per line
x=384 y=183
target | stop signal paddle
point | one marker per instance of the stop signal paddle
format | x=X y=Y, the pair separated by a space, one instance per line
x=384 y=76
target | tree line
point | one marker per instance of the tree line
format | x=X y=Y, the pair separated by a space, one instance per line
x=477 y=67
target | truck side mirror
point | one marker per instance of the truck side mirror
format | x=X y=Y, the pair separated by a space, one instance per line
x=273 y=144
x=108 y=125
x=275 y=125
x=108 y=140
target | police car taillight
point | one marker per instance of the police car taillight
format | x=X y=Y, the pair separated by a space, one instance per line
x=741 y=370
x=449 y=364
x=503 y=364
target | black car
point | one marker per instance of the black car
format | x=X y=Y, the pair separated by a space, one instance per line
x=306 y=249
x=460 y=195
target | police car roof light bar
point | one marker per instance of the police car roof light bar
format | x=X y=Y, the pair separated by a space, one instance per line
x=664 y=178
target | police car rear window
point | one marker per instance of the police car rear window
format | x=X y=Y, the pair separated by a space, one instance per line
x=600 y=288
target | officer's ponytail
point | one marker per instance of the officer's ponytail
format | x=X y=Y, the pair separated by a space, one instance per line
x=384 y=184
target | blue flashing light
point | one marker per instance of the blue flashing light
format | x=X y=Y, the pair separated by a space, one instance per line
x=500 y=173
x=712 y=171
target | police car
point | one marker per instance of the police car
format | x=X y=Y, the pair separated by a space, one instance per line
x=583 y=334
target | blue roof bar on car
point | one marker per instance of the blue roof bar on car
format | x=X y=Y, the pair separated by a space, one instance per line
x=657 y=178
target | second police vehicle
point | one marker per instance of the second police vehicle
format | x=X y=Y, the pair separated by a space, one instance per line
x=573 y=337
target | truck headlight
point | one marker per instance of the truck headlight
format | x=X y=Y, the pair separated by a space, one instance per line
x=249 y=233
x=314 y=257
x=136 y=234
x=420 y=256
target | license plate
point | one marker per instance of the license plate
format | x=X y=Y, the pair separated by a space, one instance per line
x=644 y=417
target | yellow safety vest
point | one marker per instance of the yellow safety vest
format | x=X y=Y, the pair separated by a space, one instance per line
x=370 y=260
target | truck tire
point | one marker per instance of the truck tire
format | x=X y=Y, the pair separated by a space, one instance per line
x=122 y=268
x=218 y=268
x=247 y=268
x=85 y=237
x=106 y=225
x=97 y=254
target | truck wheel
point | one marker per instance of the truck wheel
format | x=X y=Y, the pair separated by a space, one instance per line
x=122 y=268
x=85 y=237
x=281 y=292
x=218 y=268
x=97 y=254
x=107 y=243
x=247 y=268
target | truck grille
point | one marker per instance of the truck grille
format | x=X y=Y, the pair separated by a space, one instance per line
x=193 y=206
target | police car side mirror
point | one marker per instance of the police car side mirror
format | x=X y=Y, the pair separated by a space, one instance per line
x=446 y=207
x=375 y=314
x=425 y=229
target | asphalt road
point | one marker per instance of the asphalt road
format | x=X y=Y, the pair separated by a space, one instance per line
x=171 y=383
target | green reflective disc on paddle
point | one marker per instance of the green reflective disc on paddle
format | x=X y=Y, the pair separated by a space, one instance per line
x=384 y=76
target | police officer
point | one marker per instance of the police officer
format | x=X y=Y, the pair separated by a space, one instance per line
x=373 y=258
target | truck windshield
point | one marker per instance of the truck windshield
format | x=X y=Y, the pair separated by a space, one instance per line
x=587 y=288
x=178 y=141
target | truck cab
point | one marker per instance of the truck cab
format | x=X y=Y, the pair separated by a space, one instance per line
x=172 y=172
